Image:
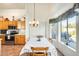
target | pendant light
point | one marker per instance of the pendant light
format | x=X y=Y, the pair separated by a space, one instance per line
x=34 y=22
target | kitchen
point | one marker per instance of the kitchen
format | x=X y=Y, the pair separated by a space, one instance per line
x=12 y=31
x=21 y=26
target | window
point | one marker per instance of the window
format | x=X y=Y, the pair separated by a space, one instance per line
x=68 y=31
x=53 y=30
x=65 y=28
x=64 y=34
x=72 y=32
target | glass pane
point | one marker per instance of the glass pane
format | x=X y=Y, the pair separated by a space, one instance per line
x=72 y=32
x=53 y=31
x=64 y=33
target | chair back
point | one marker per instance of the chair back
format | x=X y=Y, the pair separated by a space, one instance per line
x=39 y=51
x=39 y=48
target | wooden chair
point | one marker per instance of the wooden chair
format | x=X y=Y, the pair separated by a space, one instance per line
x=39 y=51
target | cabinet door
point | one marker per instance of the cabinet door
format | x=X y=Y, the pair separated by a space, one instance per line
x=21 y=25
x=19 y=39
x=5 y=25
x=3 y=39
x=1 y=25
x=12 y=23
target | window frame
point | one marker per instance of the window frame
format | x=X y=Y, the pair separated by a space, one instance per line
x=67 y=30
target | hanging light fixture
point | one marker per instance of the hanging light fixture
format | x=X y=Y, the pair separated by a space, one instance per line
x=34 y=22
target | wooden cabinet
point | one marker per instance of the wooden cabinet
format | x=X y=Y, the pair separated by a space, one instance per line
x=3 y=38
x=19 y=39
x=12 y=23
x=3 y=25
x=21 y=25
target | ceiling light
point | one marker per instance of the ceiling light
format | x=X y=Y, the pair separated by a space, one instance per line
x=34 y=22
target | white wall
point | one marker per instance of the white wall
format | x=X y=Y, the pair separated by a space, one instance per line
x=40 y=30
x=67 y=51
x=18 y=13
x=42 y=13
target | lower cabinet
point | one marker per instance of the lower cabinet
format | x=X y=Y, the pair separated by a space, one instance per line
x=3 y=39
x=19 y=39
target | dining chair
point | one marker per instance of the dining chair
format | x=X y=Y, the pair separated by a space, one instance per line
x=39 y=51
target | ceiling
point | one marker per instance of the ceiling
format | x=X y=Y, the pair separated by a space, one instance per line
x=43 y=11
x=12 y=5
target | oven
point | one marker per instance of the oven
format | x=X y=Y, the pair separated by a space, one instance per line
x=10 y=36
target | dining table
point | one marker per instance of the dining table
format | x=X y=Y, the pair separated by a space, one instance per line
x=44 y=42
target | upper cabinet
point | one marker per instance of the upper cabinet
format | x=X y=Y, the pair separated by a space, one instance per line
x=22 y=23
x=12 y=23
x=5 y=23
